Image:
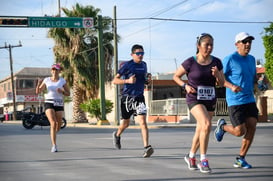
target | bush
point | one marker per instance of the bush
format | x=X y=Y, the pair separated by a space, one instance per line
x=93 y=108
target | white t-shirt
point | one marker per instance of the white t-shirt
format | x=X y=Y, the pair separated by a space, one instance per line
x=52 y=93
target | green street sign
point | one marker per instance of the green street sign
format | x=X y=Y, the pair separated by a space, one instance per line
x=60 y=22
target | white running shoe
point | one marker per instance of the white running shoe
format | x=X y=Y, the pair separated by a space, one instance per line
x=54 y=149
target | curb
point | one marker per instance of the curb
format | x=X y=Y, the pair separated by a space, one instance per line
x=150 y=125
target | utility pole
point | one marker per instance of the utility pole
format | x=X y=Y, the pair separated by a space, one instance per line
x=59 y=8
x=11 y=74
x=116 y=66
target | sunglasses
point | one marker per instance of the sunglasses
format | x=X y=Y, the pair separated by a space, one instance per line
x=139 y=53
x=246 y=41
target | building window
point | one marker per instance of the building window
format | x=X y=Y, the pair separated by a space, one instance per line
x=24 y=84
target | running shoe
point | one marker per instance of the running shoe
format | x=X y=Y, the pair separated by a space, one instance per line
x=116 y=140
x=54 y=149
x=219 y=132
x=148 y=151
x=241 y=163
x=191 y=162
x=204 y=166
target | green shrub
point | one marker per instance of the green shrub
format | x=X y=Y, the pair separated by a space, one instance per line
x=93 y=108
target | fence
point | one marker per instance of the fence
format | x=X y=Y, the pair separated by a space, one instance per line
x=221 y=107
x=169 y=107
x=179 y=107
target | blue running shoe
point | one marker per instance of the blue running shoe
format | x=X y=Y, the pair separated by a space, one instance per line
x=241 y=163
x=204 y=166
x=219 y=132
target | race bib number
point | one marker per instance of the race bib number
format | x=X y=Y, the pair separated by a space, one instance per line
x=58 y=102
x=205 y=93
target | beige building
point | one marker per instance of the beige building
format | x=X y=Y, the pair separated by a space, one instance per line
x=25 y=82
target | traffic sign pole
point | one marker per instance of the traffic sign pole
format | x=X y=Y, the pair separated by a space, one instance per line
x=101 y=70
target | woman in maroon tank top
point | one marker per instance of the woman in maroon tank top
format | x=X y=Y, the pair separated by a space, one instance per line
x=203 y=71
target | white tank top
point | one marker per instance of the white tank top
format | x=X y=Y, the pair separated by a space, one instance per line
x=52 y=87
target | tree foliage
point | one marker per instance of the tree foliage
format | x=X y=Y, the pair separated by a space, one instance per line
x=76 y=49
x=81 y=58
x=268 y=44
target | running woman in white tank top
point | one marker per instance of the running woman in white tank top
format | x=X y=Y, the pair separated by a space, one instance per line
x=56 y=88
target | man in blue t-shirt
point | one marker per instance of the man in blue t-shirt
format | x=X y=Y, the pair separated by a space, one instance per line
x=133 y=76
x=240 y=73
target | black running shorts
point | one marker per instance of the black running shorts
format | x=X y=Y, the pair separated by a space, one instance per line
x=238 y=114
x=51 y=106
x=210 y=105
x=132 y=105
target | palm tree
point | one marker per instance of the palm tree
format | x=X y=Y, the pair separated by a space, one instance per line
x=77 y=51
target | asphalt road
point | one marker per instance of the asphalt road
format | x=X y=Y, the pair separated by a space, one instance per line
x=88 y=154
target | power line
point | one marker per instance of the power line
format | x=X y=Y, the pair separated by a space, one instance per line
x=189 y=21
x=182 y=20
x=211 y=21
x=195 y=21
x=167 y=9
x=159 y=12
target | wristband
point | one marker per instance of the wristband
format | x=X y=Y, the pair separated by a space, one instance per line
x=184 y=86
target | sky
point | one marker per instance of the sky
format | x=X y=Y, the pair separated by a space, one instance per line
x=167 y=43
